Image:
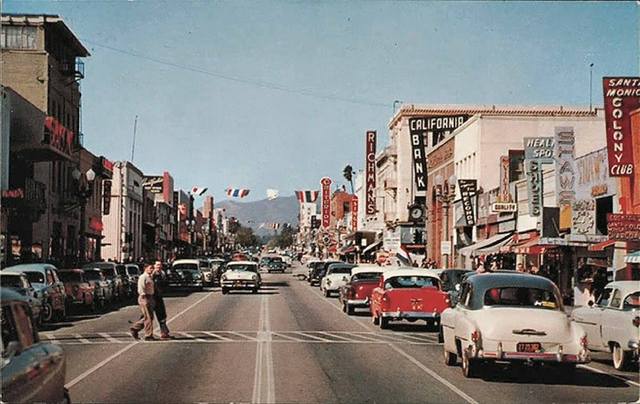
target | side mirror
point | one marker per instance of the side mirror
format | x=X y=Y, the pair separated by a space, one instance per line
x=14 y=348
x=590 y=303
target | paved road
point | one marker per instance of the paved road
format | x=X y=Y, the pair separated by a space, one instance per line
x=290 y=344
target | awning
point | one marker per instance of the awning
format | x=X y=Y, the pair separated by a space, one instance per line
x=602 y=245
x=497 y=247
x=372 y=247
x=633 y=258
x=474 y=248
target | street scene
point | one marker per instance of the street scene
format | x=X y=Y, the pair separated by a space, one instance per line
x=319 y=202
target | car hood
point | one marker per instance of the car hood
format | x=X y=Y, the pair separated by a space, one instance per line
x=239 y=275
x=523 y=324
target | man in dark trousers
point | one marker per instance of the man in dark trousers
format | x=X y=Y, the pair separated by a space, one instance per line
x=159 y=309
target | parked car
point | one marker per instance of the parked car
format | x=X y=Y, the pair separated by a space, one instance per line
x=511 y=317
x=80 y=292
x=31 y=370
x=356 y=293
x=132 y=272
x=612 y=322
x=311 y=266
x=241 y=275
x=110 y=271
x=319 y=271
x=451 y=279
x=186 y=273
x=19 y=283
x=101 y=286
x=337 y=276
x=50 y=289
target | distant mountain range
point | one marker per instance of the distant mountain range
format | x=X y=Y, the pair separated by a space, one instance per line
x=253 y=214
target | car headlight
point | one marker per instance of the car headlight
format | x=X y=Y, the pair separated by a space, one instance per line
x=197 y=276
x=254 y=277
x=224 y=277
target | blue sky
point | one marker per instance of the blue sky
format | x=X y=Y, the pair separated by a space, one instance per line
x=278 y=94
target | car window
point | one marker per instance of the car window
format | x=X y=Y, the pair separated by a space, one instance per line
x=7 y=327
x=133 y=270
x=604 y=297
x=616 y=298
x=365 y=276
x=35 y=277
x=464 y=294
x=122 y=271
x=236 y=267
x=187 y=267
x=521 y=297
x=340 y=270
x=11 y=281
x=70 y=277
x=50 y=279
x=632 y=301
x=92 y=275
x=399 y=282
x=55 y=275
x=23 y=325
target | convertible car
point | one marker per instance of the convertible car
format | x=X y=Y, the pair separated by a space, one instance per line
x=511 y=317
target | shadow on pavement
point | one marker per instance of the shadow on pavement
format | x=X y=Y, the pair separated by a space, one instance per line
x=549 y=375
x=177 y=292
x=276 y=284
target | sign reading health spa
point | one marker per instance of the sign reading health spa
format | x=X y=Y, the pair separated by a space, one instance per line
x=621 y=97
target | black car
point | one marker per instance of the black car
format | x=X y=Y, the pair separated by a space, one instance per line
x=319 y=271
x=451 y=280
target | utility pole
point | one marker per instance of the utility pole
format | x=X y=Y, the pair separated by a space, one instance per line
x=133 y=144
x=591 y=87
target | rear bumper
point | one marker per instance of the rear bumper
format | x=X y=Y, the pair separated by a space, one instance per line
x=410 y=315
x=583 y=356
x=358 y=302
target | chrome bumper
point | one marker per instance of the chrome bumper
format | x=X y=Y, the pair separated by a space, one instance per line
x=583 y=356
x=239 y=285
x=358 y=302
x=417 y=315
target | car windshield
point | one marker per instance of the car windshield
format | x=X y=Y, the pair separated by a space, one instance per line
x=133 y=270
x=121 y=270
x=399 y=282
x=344 y=270
x=69 y=277
x=242 y=267
x=92 y=275
x=35 y=277
x=521 y=297
x=11 y=281
x=109 y=272
x=366 y=276
x=632 y=301
x=185 y=267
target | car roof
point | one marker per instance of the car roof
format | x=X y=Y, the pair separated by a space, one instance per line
x=407 y=272
x=101 y=264
x=187 y=261
x=625 y=287
x=29 y=267
x=240 y=263
x=7 y=296
x=71 y=270
x=361 y=268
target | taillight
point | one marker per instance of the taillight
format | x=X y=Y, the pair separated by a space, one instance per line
x=475 y=336
x=351 y=292
x=583 y=341
x=636 y=321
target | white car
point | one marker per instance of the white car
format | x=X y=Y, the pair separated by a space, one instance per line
x=511 y=317
x=240 y=275
x=336 y=277
x=612 y=323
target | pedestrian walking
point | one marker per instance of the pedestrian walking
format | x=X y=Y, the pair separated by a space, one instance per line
x=146 y=303
x=159 y=307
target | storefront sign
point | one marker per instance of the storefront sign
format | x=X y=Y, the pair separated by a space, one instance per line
x=17 y=193
x=500 y=207
x=370 y=172
x=534 y=186
x=153 y=184
x=583 y=220
x=539 y=148
x=621 y=96
x=505 y=195
x=445 y=247
x=392 y=240
x=57 y=135
x=354 y=213
x=598 y=190
x=468 y=189
x=437 y=128
x=565 y=174
x=418 y=151
x=325 y=184
x=623 y=227
x=106 y=197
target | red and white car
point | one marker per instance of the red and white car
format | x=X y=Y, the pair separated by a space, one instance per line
x=357 y=292
x=408 y=294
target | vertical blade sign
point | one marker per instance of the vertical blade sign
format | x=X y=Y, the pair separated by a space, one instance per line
x=326 y=201
x=370 y=179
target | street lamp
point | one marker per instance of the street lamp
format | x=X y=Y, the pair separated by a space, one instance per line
x=84 y=191
x=445 y=191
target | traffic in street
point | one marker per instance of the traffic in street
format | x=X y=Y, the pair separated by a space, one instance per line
x=290 y=343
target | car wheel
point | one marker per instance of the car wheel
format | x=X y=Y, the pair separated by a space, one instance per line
x=450 y=359
x=620 y=357
x=469 y=365
x=254 y=290
x=384 y=323
x=440 y=334
x=224 y=291
x=376 y=319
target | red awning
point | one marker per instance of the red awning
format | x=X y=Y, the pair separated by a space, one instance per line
x=531 y=246
x=602 y=245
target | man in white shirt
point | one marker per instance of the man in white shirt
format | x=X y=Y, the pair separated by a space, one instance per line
x=146 y=303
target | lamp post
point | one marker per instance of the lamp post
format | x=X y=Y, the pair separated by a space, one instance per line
x=84 y=191
x=445 y=195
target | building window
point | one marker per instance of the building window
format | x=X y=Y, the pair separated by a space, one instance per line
x=18 y=37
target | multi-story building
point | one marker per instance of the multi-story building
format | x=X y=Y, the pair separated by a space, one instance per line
x=41 y=70
x=123 y=223
x=160 y=187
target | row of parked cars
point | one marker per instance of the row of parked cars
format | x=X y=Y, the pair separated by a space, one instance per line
x=502 y=316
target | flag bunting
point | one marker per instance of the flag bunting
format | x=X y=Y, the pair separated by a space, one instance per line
x=237 y=192
x=307 y=196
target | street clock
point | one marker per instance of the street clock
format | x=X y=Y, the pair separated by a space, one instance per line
x=416 y=212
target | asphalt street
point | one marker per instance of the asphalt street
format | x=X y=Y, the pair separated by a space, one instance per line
x=288 y=343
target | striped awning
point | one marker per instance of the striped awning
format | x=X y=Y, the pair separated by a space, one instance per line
x=474 y=249
x=633 y=258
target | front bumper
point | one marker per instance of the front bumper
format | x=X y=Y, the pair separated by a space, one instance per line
x=410 y=315
x=239 y=284
x=185 y=284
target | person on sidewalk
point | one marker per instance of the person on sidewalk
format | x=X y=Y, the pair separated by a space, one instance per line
x=159 y=308
x=146 y=303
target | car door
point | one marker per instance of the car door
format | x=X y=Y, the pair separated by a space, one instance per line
x=56 y=291
x=590 y=319
x=614 y=321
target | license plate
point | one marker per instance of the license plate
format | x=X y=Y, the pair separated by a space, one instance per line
x=530 y=347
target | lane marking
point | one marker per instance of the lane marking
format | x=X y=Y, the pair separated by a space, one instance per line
x=102 y=363
x=263 y=380
x=81 y=339
x=191 y=336
x=212 y=334
x=433 y=374
x=602 y=372
x=109 y=337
